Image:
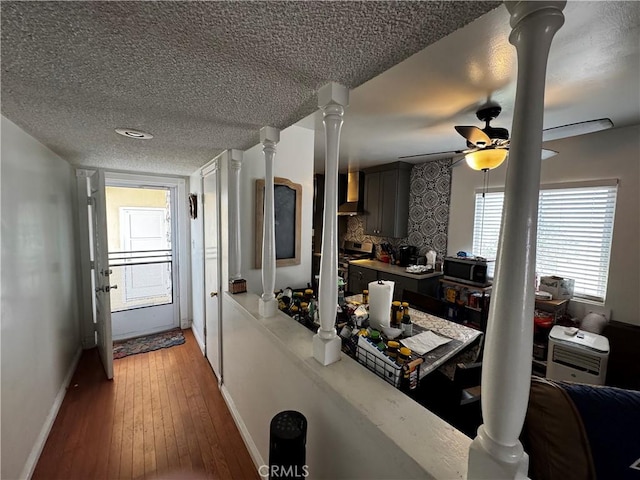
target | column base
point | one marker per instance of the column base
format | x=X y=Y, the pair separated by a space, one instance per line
x=267 y=308
x=327 y=351
x=488 y=460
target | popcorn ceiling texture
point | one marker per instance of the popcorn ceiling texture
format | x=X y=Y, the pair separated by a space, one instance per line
x=429 y=198
x=200 y=76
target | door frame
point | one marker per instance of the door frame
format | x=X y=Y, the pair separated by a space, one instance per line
x=182 y=287
x=150 y=319
x=179 y=205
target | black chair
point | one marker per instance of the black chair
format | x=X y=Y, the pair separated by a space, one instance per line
x=466 y=381
x=425 y=303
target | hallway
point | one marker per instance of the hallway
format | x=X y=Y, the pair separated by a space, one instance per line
x=161 y=417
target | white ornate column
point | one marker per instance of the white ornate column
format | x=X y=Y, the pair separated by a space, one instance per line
x=332 y=99
x=235 y=253
x=506 y=374
x=268 y=305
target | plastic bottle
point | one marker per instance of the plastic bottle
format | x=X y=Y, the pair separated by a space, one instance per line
x=431 y=259
x=341 y=301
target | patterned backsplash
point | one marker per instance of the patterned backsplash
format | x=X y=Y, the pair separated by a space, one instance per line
x=428 y=211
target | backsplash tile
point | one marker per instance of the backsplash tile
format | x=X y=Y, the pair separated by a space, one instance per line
x=429 y=198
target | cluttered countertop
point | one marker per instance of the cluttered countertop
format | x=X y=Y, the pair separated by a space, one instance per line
x=394 y=269
x=379 y=347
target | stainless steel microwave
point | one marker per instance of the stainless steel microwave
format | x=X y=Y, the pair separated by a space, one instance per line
x=469 y=270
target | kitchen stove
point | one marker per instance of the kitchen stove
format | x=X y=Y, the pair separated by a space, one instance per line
x=352 y=251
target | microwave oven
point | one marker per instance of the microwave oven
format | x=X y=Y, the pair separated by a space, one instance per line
x=469 y=270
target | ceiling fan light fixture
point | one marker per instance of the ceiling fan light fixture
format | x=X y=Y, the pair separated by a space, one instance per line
x=486 y=159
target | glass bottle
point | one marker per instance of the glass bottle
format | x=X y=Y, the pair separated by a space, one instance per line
x=407 y=326
x=395 y=308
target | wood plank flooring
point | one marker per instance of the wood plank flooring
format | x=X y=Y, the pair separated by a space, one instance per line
x=161 y=417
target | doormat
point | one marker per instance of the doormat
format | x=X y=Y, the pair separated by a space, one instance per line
x=147 y=343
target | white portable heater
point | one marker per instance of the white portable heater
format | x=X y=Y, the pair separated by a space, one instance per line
x=577 y=356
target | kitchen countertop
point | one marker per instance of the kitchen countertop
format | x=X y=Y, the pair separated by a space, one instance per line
x=393 y=269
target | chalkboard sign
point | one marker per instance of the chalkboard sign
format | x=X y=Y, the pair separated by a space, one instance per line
x=287 y=207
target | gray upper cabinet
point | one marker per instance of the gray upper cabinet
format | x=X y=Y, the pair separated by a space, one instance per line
x=386 y=199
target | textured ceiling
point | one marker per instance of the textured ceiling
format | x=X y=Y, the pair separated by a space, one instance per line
x=200 y=76
x=593 y=72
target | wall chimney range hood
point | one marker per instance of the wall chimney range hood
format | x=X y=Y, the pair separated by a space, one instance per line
x=355 y=195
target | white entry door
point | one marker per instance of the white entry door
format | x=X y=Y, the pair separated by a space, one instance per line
x=213 y=328
x=101 y=271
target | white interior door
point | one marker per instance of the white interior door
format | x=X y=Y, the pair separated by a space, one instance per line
x=101 y=272
x=213 y=329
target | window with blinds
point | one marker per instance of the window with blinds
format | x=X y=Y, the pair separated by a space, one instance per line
x=575 y=227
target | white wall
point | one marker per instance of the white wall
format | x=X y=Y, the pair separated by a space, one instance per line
x=294 y=160
x=359 y=426
x=197 y=262
x=603 y=155
x=40 y=331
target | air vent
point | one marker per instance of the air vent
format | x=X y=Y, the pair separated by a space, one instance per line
x=577 y=360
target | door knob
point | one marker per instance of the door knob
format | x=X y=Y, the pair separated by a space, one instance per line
x=106 y=288
x=213 y=294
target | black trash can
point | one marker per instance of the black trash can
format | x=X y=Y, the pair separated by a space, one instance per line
x=287 y=446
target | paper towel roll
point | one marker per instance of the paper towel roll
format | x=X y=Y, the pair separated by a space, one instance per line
x=380 y=297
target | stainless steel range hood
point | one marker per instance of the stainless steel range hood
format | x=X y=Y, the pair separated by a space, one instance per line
x=355 y=195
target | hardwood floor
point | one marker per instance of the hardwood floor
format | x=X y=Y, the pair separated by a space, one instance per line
x=161 y=417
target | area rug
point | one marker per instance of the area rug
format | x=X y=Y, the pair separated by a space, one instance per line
x=148 y=343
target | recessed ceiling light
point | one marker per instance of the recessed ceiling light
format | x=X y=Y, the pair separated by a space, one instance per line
x=131 y=133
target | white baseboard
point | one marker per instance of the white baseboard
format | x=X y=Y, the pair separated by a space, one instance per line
x=244 y=432
x=199 y=339
x=36 y=451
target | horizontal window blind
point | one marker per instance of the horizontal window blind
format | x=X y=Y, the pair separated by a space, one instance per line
x=575 y=228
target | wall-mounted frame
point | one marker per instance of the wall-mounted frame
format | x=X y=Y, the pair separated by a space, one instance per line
x=288 y=213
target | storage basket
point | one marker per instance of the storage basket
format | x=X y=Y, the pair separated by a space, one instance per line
x=391 y=373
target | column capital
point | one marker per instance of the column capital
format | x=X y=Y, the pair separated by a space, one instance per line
x=333 y=93
x=235 y=158
x=269 y=135
x=519 y=10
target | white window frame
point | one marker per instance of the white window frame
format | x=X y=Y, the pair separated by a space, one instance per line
x=591 y=285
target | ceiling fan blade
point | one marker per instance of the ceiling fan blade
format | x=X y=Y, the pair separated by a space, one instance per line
x=452 y=152
x=574 y=129
x=474 y=135
x=546 y=153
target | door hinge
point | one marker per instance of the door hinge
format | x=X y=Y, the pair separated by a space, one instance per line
x=92 y=264
x=91 y=201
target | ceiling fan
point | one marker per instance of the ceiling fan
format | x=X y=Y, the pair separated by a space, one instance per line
x=488 y=147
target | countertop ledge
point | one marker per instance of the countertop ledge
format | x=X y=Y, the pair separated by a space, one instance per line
x=392 y=269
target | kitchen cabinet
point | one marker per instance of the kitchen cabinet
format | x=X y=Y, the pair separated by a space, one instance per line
x=427 y=286
x=386 y=199
x=360 y=276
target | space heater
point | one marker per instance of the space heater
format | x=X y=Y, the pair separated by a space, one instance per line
x=577 y=356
